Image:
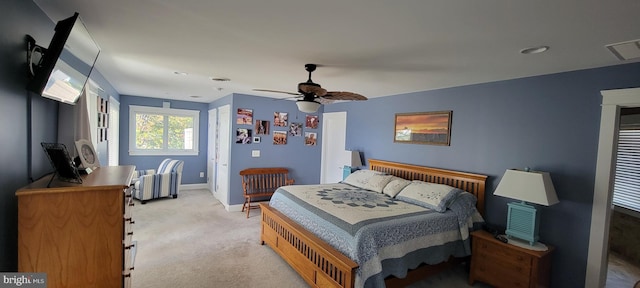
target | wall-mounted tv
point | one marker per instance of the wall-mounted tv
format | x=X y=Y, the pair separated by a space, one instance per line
x=64 y=67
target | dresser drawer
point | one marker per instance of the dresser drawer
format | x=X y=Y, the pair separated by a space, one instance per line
x=129 y=258
x=508 y=256
x=501 y=274
x=128 y=203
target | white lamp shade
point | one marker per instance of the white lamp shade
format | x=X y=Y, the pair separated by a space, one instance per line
x=308 y=106
x=355 y=159
x=533 y=186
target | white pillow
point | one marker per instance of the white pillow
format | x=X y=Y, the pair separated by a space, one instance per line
x=429 y=195
x=368 y=179
x=395 y=186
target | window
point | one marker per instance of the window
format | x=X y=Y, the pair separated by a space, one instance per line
x=626 y=187
x=163 y=131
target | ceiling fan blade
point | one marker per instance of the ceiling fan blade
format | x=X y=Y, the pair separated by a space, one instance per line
x=311 y=88
x=343 y=95
x=323 y=100
x=277 y=91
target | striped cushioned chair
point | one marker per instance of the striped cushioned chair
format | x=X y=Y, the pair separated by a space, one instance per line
x=164 y=182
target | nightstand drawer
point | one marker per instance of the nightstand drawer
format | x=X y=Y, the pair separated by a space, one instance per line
x=492 y=270
x=508 y=256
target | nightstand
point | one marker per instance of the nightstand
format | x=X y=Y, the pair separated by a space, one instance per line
x=504 y=265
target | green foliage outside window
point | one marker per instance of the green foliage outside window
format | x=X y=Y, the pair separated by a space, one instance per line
x=163 y=131
x=150 y=131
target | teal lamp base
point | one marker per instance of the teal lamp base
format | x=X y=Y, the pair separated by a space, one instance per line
x=523 y=222
x=346 y=171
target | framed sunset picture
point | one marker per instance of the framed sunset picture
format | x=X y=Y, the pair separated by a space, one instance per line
x=433 y=128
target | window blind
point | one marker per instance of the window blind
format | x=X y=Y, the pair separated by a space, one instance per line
x=626 y=189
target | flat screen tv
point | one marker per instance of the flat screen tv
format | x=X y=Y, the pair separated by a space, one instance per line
x=64 y=67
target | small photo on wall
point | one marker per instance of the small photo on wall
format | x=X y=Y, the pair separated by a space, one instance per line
x=279 y=137
x=310 y=138
x=280 y=119
x=244 y=116
x=312 y=121
x=262 y=127
x=243 y=136
x=295 y=129
x=256 y=139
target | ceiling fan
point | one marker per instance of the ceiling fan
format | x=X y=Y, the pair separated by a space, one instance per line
x=313 y=95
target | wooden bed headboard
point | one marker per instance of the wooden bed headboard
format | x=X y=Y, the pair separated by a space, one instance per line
x=472 y=183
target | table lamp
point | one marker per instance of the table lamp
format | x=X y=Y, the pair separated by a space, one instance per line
x=354 y=163
x=523 y=219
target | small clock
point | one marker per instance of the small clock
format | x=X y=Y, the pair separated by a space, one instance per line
x=87 y=154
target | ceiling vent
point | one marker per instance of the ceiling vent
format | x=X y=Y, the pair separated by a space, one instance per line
x=625 y=50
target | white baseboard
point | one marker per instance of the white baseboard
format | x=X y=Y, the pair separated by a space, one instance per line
x=198 y=186
x=234 y=208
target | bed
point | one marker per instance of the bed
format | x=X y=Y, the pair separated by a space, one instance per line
x=323 y=265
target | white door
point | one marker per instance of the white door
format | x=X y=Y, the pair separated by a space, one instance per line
x=113 y=143
x=222 y=165
x=211 y=150
x=334 y=155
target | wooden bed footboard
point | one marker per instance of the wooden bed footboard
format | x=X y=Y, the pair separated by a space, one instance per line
x=319 y=264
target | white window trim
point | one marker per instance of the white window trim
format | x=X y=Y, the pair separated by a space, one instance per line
x=134 y=109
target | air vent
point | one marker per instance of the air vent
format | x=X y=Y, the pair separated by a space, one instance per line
x=625 y=50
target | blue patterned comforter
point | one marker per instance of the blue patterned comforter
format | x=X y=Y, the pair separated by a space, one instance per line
x=385 y=236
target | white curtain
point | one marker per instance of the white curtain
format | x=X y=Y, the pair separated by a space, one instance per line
x=83 y=126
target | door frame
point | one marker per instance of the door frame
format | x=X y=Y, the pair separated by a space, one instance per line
x=326 y=142
x=212 y=150
x=612 y=102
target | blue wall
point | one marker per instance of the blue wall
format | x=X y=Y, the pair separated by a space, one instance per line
x=26 y=119
x=549 y=123
x=193 y=165
x=303 y=161
x=19 y=112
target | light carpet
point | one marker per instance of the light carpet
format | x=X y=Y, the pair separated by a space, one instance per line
x=192 y=241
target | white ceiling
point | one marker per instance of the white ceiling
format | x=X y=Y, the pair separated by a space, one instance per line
x=372 y=47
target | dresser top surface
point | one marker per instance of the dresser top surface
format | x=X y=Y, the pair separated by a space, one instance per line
x=101 y=177
x=488 y=237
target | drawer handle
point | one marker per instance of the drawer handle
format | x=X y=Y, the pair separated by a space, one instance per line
x=131 y=204
x=130 y=246
x=130 y=233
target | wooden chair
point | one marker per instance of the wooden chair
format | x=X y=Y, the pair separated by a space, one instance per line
x=261 y=183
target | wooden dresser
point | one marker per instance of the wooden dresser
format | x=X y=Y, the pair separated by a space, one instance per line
x=504 y=265
x=78 y=234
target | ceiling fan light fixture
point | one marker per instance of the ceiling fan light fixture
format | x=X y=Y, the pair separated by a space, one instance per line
x=307 y=106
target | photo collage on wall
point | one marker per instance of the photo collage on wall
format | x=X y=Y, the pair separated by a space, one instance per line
x=282 y=128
